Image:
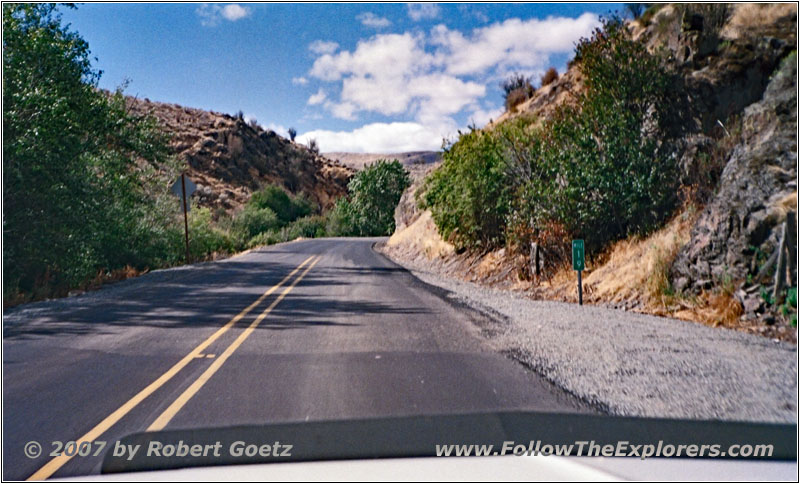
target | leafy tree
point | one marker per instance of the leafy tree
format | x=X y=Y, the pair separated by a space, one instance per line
x=80 y=188
x=374 y=193
x=469 y=194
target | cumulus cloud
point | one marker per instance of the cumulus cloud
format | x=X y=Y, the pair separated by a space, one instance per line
x=481 y=117
x=392 y=74
x=523 y=44
x=377 y=138
x=422 y=11
x=212 y=14
x=369 y=19
x=234 y=12
x=323 y=47
x=317 y=98
x=426 y=80
x=300 y=81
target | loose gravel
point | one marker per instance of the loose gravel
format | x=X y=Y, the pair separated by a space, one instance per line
x=632 y=364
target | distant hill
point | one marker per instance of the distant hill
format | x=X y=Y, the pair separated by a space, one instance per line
x=229 y=158
x=357 y=161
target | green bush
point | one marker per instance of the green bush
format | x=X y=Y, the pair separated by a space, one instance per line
x=374 y=193
x=253 y=220
x=265 y=238
x=594 y=170
x=340 y=221
x=470 y=194
x=288 y=208
x=204 y=238
x=75 y=197
x=307 y=227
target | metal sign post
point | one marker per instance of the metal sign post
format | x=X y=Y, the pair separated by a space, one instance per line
x=184 y=187
x=578 y=265
x=185 y=216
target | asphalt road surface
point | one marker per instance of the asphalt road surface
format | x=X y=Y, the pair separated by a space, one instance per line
x=313 y=330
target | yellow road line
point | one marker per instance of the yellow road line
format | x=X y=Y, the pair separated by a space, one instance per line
x=187 y=395
x=55 y=464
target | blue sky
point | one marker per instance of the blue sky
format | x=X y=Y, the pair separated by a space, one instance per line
x=356 y=77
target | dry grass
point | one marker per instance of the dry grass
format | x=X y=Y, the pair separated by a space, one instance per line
x=549 y=76
x=635 y=273
x=755 y=16
x=421 y=237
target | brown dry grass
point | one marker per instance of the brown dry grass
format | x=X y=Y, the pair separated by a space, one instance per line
x=634 y=269
x=549 y=76
x=755 y=16
x=421 y=237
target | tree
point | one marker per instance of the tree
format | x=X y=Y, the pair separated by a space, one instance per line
x=80 y=188
x=374 y=194
x=292 y=133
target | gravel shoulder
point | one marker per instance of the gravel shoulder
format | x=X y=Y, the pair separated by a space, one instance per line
x=632 y=364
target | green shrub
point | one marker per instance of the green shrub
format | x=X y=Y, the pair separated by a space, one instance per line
x=204 y=238
x=265 y=238
x=594 y=170
x=285 y=206
x=75 y=200
x=340 y=221
x=253 y=220
x=469 y=195
x=307 y=227
x=374 y=193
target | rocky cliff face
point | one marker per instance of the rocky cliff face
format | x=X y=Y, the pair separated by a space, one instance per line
x=229 y=158
x=757 y=188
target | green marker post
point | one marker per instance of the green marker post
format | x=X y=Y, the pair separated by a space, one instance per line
x=578 y=265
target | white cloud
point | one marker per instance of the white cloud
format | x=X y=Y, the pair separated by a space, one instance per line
x=481 y=117
x=317 y=98
x=369 y=19
x=378 y=138
x=523 y=44
x=421 y=11
x=323 y=47
x=278 y=129
x=300 y=81
x=345 y=110
x=234 y=12
x=211 y=14
x=427 y=80
x=392 y=74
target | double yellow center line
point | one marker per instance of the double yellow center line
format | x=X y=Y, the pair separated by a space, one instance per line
x=57 y=462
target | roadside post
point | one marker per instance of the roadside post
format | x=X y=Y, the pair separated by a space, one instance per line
x=578 y=265
x=183 y=188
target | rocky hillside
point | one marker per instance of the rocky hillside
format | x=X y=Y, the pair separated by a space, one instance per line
x=737 y=155
x=229 y=158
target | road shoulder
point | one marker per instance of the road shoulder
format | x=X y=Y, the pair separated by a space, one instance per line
x=632 y=364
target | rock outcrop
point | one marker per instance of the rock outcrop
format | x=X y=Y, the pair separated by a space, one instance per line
x=757 y=188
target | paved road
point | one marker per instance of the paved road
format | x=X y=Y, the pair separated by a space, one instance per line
x=347 y=334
